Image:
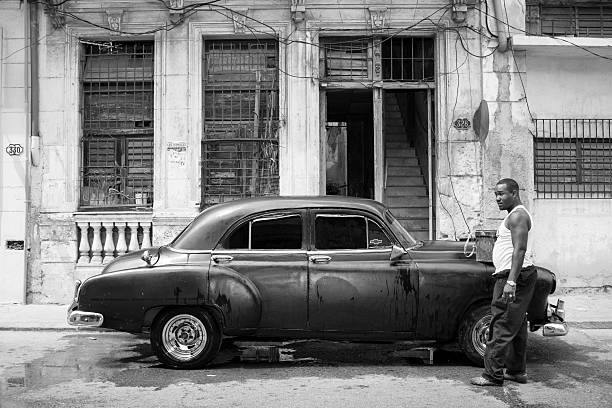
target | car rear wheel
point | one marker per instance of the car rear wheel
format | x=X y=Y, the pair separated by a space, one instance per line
x=185 y=338
x=473 y=334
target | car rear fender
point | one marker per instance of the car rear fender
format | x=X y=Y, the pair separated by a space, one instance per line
x=545 y=285
x=236 y=297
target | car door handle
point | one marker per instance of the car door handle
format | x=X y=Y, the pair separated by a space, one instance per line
x=222 y=258
x=320 y=259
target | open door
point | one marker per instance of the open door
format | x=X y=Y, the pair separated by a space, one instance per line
x=349 y=144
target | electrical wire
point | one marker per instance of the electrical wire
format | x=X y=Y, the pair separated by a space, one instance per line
x=544 y=35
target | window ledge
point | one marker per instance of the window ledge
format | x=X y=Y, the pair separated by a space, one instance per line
x=569 y=46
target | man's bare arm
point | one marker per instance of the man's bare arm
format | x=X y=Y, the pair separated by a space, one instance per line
x=519 y=224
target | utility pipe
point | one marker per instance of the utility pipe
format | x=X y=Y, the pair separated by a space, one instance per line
x=34 y=150
x=502 y=33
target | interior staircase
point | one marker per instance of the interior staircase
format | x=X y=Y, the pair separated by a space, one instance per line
x=406 y=192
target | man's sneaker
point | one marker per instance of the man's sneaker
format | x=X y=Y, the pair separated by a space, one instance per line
x=481 y=381
x=519 y=378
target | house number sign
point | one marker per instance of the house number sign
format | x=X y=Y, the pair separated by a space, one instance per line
x=14 y=149
x=462 y=123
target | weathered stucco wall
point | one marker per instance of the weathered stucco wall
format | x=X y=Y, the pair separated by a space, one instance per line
x=573 y=235
x=14 y=126
x=572 y=238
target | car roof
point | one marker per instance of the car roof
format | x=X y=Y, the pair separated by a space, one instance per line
x=209 y=226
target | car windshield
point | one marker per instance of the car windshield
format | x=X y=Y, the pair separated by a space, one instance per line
x=404 y=236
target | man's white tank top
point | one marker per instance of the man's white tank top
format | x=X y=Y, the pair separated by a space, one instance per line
x=503 y=249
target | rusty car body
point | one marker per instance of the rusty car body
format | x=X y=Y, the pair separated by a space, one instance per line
x=298 y=267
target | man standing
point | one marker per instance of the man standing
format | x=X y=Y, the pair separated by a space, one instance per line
x=515 y=277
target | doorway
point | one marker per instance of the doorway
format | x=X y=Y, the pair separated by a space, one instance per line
x=409 y=159
x=349 y=147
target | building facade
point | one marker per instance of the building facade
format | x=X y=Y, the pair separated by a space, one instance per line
x=149 y=111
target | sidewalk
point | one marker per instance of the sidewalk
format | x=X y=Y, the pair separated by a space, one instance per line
x=590 y=310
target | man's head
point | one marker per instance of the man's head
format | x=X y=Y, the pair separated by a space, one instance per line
x=507 y=194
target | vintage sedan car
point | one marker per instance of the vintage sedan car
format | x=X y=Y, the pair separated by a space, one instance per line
x=298 y=267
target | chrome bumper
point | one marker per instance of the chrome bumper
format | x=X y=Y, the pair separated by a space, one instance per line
x=85 y=319
x=555 y=329
x=556 y=325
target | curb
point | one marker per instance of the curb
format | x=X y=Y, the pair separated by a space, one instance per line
x=59 y=329
x=602 y=325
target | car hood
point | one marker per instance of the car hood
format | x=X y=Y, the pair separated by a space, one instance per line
x=133 y=260
x=442 y=250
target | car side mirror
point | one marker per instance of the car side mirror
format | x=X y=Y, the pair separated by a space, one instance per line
x=147 y=256
x=396 y=253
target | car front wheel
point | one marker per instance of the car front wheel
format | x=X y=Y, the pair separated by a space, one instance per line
x=185 y=338
x=473 y=333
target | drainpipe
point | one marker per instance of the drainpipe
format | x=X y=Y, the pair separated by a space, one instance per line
x=34 y=95
x=502 y=32
x=33 y=139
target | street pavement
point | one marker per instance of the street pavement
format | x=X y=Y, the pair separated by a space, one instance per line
x=44 y=363
x=585 y=309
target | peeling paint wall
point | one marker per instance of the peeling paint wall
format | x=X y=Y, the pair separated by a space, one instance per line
x=573 y=235
x=14 y=129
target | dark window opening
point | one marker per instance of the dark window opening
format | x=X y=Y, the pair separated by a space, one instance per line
x=117 y=143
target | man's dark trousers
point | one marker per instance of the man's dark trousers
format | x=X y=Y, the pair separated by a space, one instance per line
x=507 y=339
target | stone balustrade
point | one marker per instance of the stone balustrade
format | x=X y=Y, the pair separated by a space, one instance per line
x=103 y=236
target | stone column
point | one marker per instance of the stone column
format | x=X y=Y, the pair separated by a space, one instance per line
x=133 y=236
x=109 y=245
x=146 y=235
x=96 y=246
x=84 y=243
x=121 y=243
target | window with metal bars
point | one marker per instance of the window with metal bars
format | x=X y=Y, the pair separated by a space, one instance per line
x=240 y=140
x=406 y=59
x=569 y=18
x=573 y=158
x=117 y=142
x=346 y=59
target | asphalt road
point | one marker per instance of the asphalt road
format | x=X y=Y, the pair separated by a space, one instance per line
x=59 y=369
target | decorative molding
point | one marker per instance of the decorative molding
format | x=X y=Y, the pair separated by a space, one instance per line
x=51 y=9
x=115 y=18
x=378 y=17
x=298 y=10
x=176 y=6
x=239 y=17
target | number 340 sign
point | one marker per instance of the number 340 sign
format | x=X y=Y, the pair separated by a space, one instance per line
x=14 y=149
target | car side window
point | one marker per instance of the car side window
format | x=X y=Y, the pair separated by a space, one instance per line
x=349 y=232
x=340 y=232
x=273 y=232
x=376 y=236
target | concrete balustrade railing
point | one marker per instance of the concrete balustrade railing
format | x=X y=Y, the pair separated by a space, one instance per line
x=104 y=236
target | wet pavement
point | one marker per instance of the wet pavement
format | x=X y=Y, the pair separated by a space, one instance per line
x=106 y=369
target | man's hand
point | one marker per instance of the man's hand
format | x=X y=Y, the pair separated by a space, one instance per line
x=508 y=295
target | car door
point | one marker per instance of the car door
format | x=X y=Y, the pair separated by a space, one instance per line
x=268 y=253
x=354 y=287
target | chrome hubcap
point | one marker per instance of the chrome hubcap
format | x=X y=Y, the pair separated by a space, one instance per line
x=480 y=333
x=184 y=337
